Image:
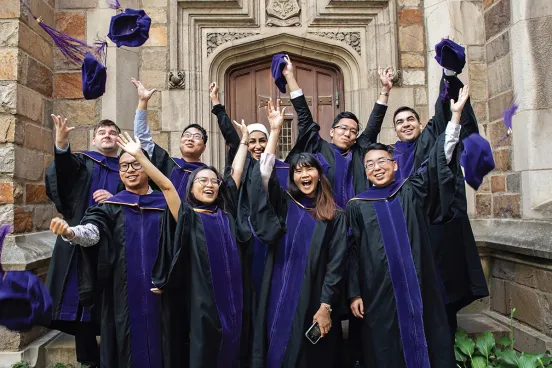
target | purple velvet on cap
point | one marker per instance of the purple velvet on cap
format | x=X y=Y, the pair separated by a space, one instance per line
x=477 y=159
x=129 y=28
x=278 y=64
x=450 y=55
x=24 y=300
x=94 y=77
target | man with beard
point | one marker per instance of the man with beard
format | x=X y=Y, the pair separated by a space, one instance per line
x=76 y=181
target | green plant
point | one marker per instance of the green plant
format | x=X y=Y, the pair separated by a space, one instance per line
x=485 y=352
x=21 y=365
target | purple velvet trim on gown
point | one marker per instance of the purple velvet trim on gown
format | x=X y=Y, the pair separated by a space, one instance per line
x=404 y=155
x=144 y=307
x=380 y=193
x=343 y=177
x=287 y=281
x=282 y=173
x=225 y=266
x=404 y=279
x=180 y=174
x=104 y=176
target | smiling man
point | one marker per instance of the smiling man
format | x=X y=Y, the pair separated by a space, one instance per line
x=74 y=182
x=393 y=284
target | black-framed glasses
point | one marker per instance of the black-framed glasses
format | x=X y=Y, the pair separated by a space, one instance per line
x=194 y=136
x=382 y=162
x=204 y=181
x=345 y=128
x=126 y=165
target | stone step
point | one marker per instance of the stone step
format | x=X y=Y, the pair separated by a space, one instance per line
x=477 y=323
x=61 y=350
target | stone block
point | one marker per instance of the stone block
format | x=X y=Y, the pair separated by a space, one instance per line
x=35 y=193
x=155 y=58
x=76 y=4
x=478 y=81
x=487 y=3
x=476 y=54
x=68 y=85
x=71 y=23
x=157 y=36
x=537 y=193
x=498 y=183
x=411 y=38
x=38 y=138
x=97 y=23
x=413 y=77
x=409 y=3
x=526 y=302
x=545 y=302
x=476 y=324
x=513 y=183
x=497 y=18
x=507 y=205
x=153 y=78
x=29 y=103
x=8 y=97
x=485 y=185
x=499 y=76
x=8 y=64
x=503 y=161
x=6 y=193
x=498 y=48
x=544 y=280
x=529 y=9
x=80 y=140
x=42 y=216
x=420 y=96
x=480 y=110
x=30 y=164
x=154 y=3
x=498 y=296
x=498 y=104
x=7 y=128
x=35 y=45
x=79 y=112
x=503 y=269
x=410 y=60
x=399 y=97
x=63 y=63
x=9 y=33
x=532 y=135
x=498 y=135
x=162 y=139
x=39 y=78
x=7 y=164
x=22 y=220
x=411 y=16
x=153 y=117
x=157 y=15
x=526 y=275
x=9 y=9
x=61 y=350
x=483 y=204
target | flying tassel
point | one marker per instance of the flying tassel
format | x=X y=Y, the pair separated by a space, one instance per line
x=100 y=49
x=508 y=116
x=114 y=4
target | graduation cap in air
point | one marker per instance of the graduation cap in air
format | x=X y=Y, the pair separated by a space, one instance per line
x=278 y=64
x=129 y=28
x=477 y=159
x=24 y=300
x=450 y=55
x=94 y=77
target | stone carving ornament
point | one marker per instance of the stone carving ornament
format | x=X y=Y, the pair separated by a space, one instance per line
x=216 y=39
x=177 y=79
x=283 y=13
x=350 y=38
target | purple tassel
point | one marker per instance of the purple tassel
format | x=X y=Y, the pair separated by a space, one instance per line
x=113 y=4
x=100 y=49
x=508 y=116
x=4 y=230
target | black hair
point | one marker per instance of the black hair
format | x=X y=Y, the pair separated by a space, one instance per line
x=405 y=108
x=379 y=147
x=198 y=127
x=222 y=196
x=345 y=115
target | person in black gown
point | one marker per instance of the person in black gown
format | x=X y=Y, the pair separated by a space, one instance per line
x=201 y=273
x=393 y=285
x=307 y=239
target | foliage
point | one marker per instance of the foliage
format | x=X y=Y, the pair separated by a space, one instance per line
x=485 y=352
x=21 y=365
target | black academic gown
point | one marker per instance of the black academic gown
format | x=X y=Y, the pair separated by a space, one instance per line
x=392 y=268
x=120 y=271
x=70 y=180
x=453 y=243
x=346 y=169
x=206 y=300
x=304 y=267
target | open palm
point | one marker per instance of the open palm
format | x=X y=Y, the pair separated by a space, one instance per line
x=128 y=145
x=274 y=115
x=143 y=93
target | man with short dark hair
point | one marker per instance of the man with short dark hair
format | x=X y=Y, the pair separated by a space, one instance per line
x=75 y=182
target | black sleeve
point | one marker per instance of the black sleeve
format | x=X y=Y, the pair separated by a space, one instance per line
x=308 y=138
x=373 y=127
x=231 y=192
x=162 y=160
x=335 y=268
x=353 y=282
x=231 y=137
x=267 y=210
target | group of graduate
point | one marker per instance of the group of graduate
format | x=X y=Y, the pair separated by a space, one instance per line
x=175 y=264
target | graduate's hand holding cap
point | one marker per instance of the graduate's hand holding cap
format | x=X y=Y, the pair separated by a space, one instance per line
x=60 y=227
x=357 y=307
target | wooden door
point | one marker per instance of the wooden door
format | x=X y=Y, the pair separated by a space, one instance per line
x=249 y=86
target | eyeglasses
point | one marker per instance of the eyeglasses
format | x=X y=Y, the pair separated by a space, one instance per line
x=371 y=165
x=204 y=181
x=125 y=166
x=195 y=136
x=345 y=128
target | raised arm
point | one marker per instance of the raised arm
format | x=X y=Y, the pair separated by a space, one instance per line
x=165 y=185
x=231 y=137
x=66 y=163
x=141 y=127
x=275 y=118
x=238 y=163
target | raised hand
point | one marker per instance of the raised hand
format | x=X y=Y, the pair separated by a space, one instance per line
x=288 y=70
x=60 y=227
x=143 y=93
x=128 y=145
x=463 y=95
x=213 y=93
x=62 y=131
x=243 y=129
x=274 y=115
x=386 y=78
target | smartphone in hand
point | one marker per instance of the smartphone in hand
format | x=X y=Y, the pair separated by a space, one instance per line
x=313 y=333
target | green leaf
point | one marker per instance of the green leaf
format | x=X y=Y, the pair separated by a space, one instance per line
x=479 y=362
x=527 y=361
x=485 y=344
x=459 y=356
x=508 y=357
x=504 y=341
x=460 y=333
x=466 y=345
x=545 y=360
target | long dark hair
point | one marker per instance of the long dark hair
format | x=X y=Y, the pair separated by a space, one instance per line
x=220 y=202
x=325 y=203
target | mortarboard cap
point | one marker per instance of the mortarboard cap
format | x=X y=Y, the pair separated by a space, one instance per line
x=278 y=64
x=450 y=55
x=24 y=300
x=477 y=159
x=94 y=77
x=129 y=28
